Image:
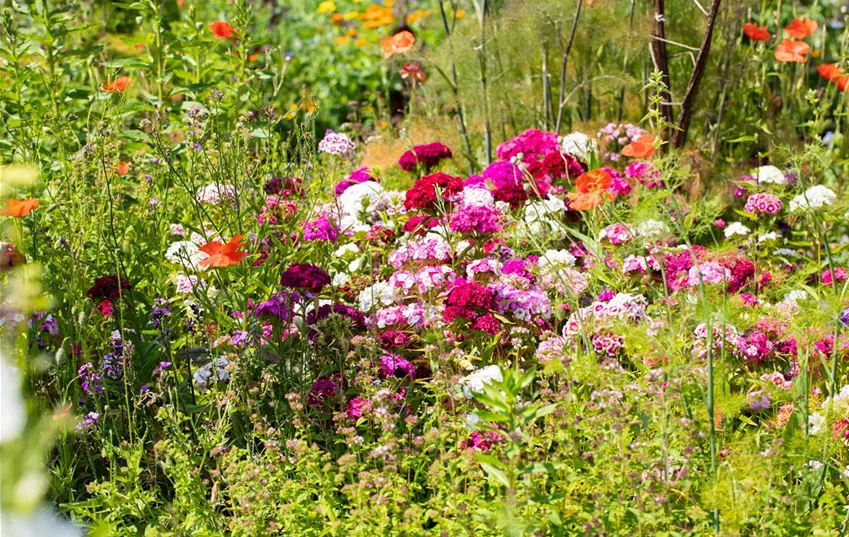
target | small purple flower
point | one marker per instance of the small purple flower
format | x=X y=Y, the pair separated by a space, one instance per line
x=759 y=400
x=89 y=421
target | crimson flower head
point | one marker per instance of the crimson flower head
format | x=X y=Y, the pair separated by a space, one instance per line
x=423 y=194
x=428 y=155
x=116 y=86
x=108 y=287
x=222 y=255
x=305 y=276
x=755 y=32
x=222 y=30
x=413 y=71
x=468 y=300
x=801 y=28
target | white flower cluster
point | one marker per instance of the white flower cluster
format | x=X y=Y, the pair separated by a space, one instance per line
x=354 y=201
x=736 y=228
x=770 y=175
x=381 y=293
x=474 y=382
x=477 y=196
x=541 y=216
x=813 y=198
x=839 y=407
x=215 y=193
x=650 y=228
x=552 y=259
x=186 y=254
x=579 y=145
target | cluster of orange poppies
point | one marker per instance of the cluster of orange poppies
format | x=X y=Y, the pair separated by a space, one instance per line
x=793 y=49
x=594 y=186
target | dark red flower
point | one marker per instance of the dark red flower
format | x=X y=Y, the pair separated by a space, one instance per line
x=108 y=287
x=428 y=155
x=468 y=300
x=423 y=195
x=305 y=276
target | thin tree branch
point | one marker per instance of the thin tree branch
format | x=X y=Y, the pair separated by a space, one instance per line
x=679 y=137
x=660 y=58
x=563 y=66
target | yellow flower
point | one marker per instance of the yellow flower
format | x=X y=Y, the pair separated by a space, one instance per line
x=328 y=6
x=351 y=15
x=342 y=40
x=361 y=42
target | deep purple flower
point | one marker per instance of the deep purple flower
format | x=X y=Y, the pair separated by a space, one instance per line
x=280 y=305
x=321 y=392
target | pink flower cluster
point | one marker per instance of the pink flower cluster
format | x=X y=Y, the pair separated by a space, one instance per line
x=763 y=202
x=426 y=251
x=617 y=233
x=476 y=219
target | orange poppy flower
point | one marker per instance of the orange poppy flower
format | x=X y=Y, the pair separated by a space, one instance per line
x=222 y=255
x=642 y=148
x=398 y=44
x=801 y=28
x=123 y=168
x=830 y=71
x=792 y=51
x=20 y=208
x=116 y=86
x=592 y=190
x=222 y=30
x=755 y=32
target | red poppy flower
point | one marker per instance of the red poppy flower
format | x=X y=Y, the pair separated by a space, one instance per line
x=398 y=43
x=830 y=71
x=19 y=208
x=123 y=168
x=642 y=148
x=843 y=83
x=792 y=51
x=222 y=30
x=116 y=86
x=413 y=70
x=592 y=190
x=755 y=32
x=801 y=28
x=222 y=255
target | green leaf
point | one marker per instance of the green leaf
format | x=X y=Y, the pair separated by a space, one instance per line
x=496 y=473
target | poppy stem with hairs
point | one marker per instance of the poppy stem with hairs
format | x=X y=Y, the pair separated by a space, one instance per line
x=679 y=136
